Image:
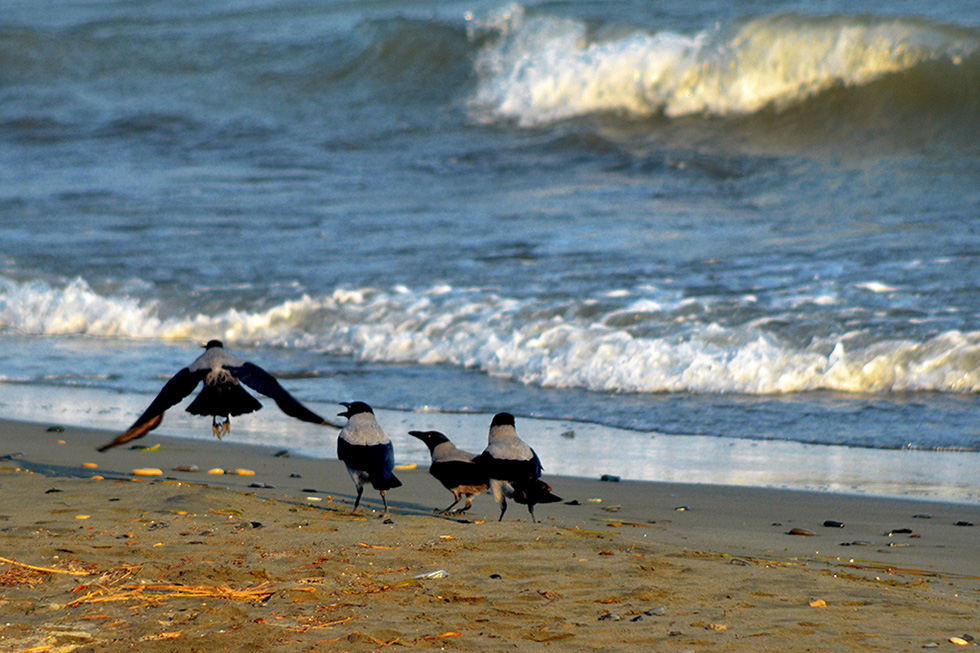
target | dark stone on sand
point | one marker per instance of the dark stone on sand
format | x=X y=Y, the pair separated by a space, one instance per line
x=573 y=502
x=282 y=453
x=830 y=523
x=609 y=478
x=963 y=523
x=799 y=531
x=496 y=577
x=609 y=616
x=55 y=429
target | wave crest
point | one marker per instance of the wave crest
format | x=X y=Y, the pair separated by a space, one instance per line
x=560 y=345
x=539 y=69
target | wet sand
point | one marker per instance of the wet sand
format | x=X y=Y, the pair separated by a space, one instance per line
x=193 y=561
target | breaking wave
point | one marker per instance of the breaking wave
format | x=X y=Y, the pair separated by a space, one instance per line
x=587 y=344
x=536 y=69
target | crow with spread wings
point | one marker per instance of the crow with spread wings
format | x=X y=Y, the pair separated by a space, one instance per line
x=221 y=397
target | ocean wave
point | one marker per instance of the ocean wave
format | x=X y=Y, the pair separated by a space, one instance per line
x=537 y=69
x=562 y=345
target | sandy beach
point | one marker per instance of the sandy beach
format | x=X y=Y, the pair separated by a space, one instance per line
x=195 y=561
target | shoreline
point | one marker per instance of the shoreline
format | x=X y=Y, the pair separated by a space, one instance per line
x=618 y=564
x=635 y=455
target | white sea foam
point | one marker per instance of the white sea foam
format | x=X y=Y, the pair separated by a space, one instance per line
x=540 y=69
x=521 y=340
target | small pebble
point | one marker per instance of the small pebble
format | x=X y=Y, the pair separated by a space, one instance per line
x=56 y=429
x=799 y=531
x=609 y=478
x=147 y=471
x=963 y=523
x=573 y=502
x=310 y=490
x=496 y=577
x=968 y=638
x=899 y=531
x=898 y=544
x=439 y=573
x=609 y=616
x=255 y=524
x=682 y=508
x=922 y=515
x=612 y=508
x=959 y=641
x=568 y=434
x=282 y=453
x=638 y=617
x=263 y=486
x=186 y=468
x=656 y=612
x=90 y=465
x=930 y=645
x=295 y=475
x=856 y=543
x=216 y=470
x=830 y=523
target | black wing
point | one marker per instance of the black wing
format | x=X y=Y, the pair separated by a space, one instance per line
x=509 y=470
x=455 y=473
x=378 y=460
x=261 y=381
x=179 y=386
x=537 y=464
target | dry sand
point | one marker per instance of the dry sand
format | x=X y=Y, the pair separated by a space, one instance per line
x=190 y=561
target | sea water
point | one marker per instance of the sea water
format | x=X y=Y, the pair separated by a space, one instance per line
x=731 y=221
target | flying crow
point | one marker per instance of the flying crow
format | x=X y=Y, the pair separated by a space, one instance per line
x=221 y=397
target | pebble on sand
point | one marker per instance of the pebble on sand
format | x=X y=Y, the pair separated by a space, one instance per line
x=799 y=531
x=147 y=471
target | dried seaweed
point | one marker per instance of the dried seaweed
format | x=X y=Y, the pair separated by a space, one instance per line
x=46 y=570
x=157 y=593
